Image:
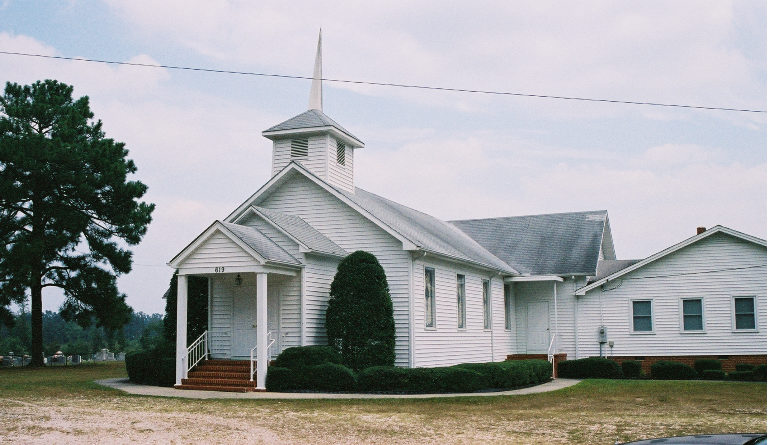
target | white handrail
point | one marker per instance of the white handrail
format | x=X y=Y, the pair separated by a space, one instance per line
x=550 y=354
x=253 y=349
x=196 y=352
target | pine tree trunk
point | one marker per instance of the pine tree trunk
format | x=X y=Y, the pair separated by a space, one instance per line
x=37 y=324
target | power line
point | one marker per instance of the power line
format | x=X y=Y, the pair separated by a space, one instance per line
x=385 y=84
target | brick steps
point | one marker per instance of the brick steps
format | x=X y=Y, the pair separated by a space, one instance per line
x=220 y=375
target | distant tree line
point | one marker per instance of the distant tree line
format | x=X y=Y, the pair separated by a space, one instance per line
x=142 y=331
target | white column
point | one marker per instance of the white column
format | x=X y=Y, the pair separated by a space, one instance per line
x=262 y=355
x=181 y=328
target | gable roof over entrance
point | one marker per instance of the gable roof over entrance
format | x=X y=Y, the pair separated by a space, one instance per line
x=670 y=250
x=552 y=244
x=298 y=229
x=251 y=243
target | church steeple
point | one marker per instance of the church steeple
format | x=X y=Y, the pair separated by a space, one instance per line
x=315 y=140
x=316 y=92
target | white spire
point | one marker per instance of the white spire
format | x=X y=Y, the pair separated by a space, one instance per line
x=316 y=93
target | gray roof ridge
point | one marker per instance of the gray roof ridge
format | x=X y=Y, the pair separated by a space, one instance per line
x=262 y=210
x=526 y=216
x=274 y=244
x=325 y=120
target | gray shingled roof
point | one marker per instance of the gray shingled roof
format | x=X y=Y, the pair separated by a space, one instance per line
x=554 y=244
x=303 y=232
x=261 y=244
x=610 y=267
x=309 y=119
x=425 y=231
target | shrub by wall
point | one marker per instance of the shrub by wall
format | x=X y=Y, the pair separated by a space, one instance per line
x=745 y=367
x=305 y=356
x=712 y=374
x=632 y=369
x=592 y=367
x=330 y=377
x=742 y=376
x=283 y=379
x=758 y=374
x=151 y=367
x=704 y=364
x=668 y=370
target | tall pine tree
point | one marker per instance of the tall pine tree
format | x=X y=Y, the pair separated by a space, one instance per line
x=66 y=206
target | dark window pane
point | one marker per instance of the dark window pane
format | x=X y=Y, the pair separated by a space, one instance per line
x=641 y=308
x=692 y=307
x=744 y=305
x=643 y=324
x=692 y=323
x=745 y=321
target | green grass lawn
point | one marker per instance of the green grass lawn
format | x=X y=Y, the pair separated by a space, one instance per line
x=64 y=405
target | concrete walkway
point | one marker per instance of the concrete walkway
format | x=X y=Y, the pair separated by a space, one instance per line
x=144 y=390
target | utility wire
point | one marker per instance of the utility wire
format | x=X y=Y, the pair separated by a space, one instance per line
x=384 y=84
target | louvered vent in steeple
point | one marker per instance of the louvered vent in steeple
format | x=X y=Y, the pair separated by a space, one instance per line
x=299 y=148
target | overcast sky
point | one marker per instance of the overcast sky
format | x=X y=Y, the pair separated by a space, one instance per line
x=196 y=137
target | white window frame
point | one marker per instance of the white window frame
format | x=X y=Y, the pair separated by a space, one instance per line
x=632 y=317
x=733 y=313
x=461 y=303
x=487 y=305
x=433 y=299
x=703 y=329
x=508 y=320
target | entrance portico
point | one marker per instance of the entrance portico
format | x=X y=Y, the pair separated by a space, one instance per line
x=239 y=262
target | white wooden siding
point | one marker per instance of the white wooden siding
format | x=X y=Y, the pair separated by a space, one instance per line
x=346 y=227
x=528 y=292
x=319 y=273
x=221 y=317
x=340 y=176
x=219 y=250
x=315 y=160
x=446 y=344
x=289 y=289
x=686 y=273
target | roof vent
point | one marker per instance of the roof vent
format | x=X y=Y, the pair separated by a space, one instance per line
x=700 y=230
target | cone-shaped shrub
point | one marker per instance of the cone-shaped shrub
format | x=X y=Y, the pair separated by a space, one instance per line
x=359 y=319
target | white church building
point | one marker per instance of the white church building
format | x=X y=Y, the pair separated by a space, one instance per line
x=463 y=291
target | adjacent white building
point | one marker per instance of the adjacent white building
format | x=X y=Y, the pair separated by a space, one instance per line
x=462 y=291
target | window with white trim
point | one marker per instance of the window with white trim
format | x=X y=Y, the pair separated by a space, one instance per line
x=693 y=314
x=461 y=301
x=508 y=307
x=486 y=304
x=299 y=148
x=642 y=316
x=744 y=313
x=341 y=152
x=429 y=297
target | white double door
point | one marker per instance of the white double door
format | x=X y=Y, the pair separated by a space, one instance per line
x=244 y=320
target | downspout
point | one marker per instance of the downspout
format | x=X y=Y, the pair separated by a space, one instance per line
x=490 y=304
x=576 y=321
x=302 y=298
x=557 y=333
x=411 y=327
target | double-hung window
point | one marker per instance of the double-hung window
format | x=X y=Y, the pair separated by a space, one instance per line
x=486 y=304
x=693 y=314
x=744 y=313
x=429 y=297
x=642 y=316
x=461 y=301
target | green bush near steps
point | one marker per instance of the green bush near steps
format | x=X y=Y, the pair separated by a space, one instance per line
x=152 y=367
x=706 y=364
x=591 y=367
x=632 y=369
x=305 y=356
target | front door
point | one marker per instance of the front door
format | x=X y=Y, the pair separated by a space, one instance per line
x=538 y=327
x=244 y=320
x=273 y=321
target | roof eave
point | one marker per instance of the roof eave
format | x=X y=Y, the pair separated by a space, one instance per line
x=346 y=137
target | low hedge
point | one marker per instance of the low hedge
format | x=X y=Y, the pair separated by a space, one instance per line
x=632 y=369
x=305 y=356
x=592 y=367
x=668 y=370
x=706 y=364
x=758 y=374
x=152 y=367
x=745 y=367
x=329 y=377
x=742 y=376
x=512 y=373
x=713 y=374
